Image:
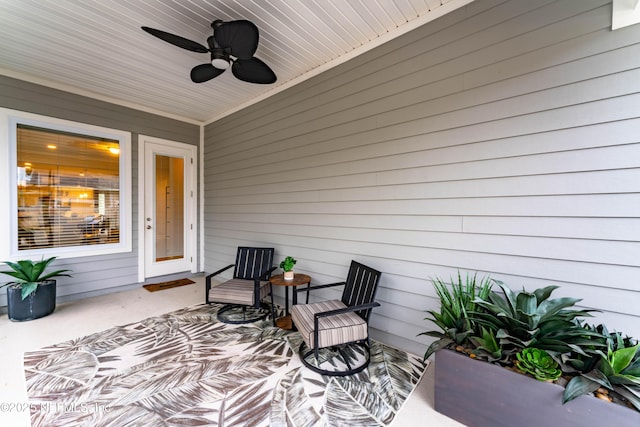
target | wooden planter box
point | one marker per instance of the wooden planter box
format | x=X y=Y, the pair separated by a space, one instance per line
x=479 y=394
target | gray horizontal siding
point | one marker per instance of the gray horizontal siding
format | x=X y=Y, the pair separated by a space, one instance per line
x=96 y=274
x=503 y=138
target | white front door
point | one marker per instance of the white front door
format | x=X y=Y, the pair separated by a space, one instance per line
x=168 y=221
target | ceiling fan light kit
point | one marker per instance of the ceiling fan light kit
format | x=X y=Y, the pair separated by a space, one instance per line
x=220 y=60
x=233 y=43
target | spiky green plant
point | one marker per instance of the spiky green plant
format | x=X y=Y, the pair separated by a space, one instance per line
x=538 y=363
x=573 y=363
x=618 y=371
x=531 y=319
x=486 y=346
x=28 y=274
x=457 y=299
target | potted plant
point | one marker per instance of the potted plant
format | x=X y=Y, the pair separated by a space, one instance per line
x=32 y=292
x=526 y=335
x=287 y=266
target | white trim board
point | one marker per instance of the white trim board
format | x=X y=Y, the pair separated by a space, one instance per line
x=625 y=13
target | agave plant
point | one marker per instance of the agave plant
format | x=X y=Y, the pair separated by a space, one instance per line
x=538 y=363
x=457 y=300
x=618 y=371
x=487 y=347
x=28 y=274
x=531 y=319
x=574 y=362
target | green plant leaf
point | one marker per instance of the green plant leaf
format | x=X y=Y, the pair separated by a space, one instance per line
x=549 y=308
x=577 y=387
x=543 y=294
x=28 y=288
x=632 y=394
x=17 y=271
x=509 y=301
x=598 y=377
x=633 y=369
x=39 y=267
x=624 y=379
x=15 y=274
x=27 y=268
x=622 y=358
x=434 y=334
x=57 y=273
x=437 y=345
x=549 y=326
x=526 y=303
x=461 y=337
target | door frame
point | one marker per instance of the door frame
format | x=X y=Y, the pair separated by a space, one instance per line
x=191 y=174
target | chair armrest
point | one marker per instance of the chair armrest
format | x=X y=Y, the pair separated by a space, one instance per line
x=208 y=278
x=346 y=310
x=265 y=275
x=309 y=287
x=328 y=285
x=221 y=270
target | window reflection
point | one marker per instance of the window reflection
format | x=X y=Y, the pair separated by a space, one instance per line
x=68 y=189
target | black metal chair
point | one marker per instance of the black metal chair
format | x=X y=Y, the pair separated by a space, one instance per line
x=335 y=332
x=243 y=294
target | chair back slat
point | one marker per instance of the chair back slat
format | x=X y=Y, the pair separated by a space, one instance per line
x=252 y=262
x=360 y=287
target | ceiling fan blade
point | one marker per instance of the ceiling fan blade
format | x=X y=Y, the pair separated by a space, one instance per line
x=253 y=71
x=177 y=40
x=238 y=38
x=204 y=72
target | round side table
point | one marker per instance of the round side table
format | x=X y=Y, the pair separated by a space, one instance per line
x=278 y=280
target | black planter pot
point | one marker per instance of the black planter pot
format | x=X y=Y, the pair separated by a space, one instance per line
x=40 y=303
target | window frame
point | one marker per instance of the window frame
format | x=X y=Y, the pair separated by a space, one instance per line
x=9 y=232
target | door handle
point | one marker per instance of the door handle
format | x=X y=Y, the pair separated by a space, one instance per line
x=148 y=227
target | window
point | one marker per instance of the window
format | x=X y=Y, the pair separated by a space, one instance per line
x=70 y=188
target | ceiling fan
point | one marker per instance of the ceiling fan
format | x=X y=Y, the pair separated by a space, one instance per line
x=233 y=43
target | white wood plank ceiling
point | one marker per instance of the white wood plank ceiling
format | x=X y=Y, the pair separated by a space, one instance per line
x=96 y=47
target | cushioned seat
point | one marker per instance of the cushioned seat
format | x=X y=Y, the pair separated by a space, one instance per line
x=332 y=330
x=237 y=291
x=338 y=327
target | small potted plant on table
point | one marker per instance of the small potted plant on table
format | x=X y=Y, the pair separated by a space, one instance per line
x=32 y=292
x=287 y=266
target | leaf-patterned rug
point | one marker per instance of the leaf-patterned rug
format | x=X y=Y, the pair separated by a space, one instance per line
x=187 y=369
